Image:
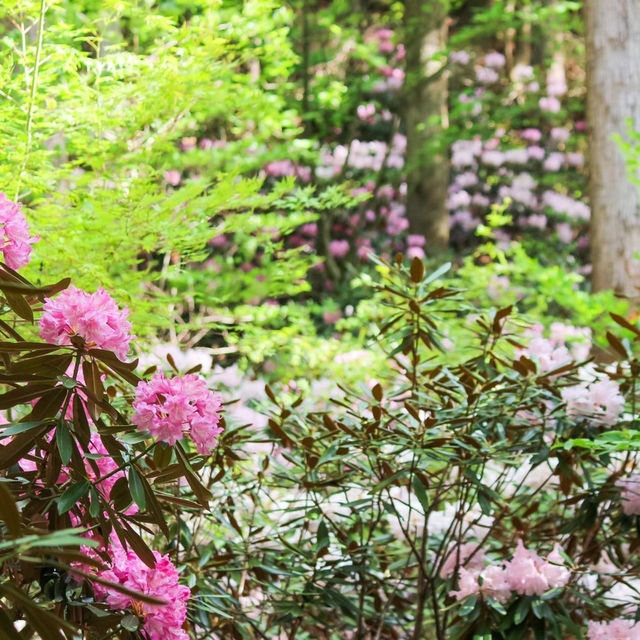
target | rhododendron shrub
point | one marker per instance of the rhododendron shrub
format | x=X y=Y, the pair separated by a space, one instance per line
x=454 y=498
x=89 y=503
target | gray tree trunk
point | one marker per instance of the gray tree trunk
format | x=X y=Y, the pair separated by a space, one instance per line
x=612 y=30
x=425 y=100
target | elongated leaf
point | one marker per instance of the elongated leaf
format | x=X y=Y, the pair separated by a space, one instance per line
x=137 y=489
x=20 y=445
x=64 y=441
x=49 y=404
x=420 y=492
x=202 y=493
x=14 y=428
x=23 y=395
x=9 y=513
x=18 y=303
x=71 y=496
x=47 y=364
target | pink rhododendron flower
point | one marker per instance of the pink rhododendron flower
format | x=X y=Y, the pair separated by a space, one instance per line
x=554 y=161
x=528 y=574
x=486 y=75
x=95 y=317
x=531 y=135
x=575 y=159
x=161 y=621
x=490 y=581
x=459 y=557
x=15 y=241
x=415 y=252
x=521 y=72
x=415 y=240
x=600 y=401
x=172 y=177
x=618 y=629
x=630 y=495
x=564 y=232
x=171 y=407
x=384 y=34
x=367 y=112
x=535 y=152
x=550 y=103
x=339 y=248
x=560 y=134
x=495 y=60
x=459 y=57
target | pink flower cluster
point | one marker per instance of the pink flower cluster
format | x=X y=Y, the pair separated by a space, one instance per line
x=526 y=574
x=554 y=352
x=95 y=317
x=279 y=168
x=618 y=629
x=600 y=401
x=160 y=621
x=15 y=241
x=630 y=495
x=170 y=407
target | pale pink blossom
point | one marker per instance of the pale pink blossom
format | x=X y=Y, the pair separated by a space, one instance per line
x=458 y=556
x=459 y=57
x=486 y=75
x=521 y=72
x=495 y=60
x=550 y=103
x=490 y=581
x=95 y=317
x=554 y=161
x=618 y=629
x=575 y=159
x=600 y=401
x=559 y=134
x=528 y=574
x=367 y=112
x=169 y=408
x=535 y=152
x=531 y=135
x=630 y=494
x=15 y=241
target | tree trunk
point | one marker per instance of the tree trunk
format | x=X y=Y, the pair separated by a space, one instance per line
x=425 y=107
x=612 y=30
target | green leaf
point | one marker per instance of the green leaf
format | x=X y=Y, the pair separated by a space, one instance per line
x=71 y=496
x=421 y=494
x=322 y=540
x=64 y=441
x=137 y=488
x=13 y=428
x=130 y=623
